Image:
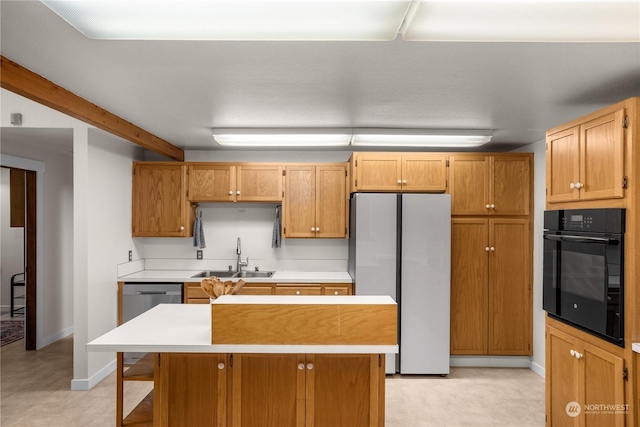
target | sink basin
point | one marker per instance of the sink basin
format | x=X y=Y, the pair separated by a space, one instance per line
x=254 y=274
x=221 y=273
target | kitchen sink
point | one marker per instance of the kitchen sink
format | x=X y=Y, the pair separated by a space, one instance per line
x=254 y=274
x=221 y=273
x=227 y=273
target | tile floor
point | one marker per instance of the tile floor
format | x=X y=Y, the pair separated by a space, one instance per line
x=35 y=391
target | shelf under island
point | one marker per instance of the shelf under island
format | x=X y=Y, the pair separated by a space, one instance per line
x=276 y=361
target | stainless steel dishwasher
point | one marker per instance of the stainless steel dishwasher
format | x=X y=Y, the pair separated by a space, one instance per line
x=139 y=297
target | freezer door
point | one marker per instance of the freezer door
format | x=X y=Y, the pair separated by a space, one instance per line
x=425 y=284
x=372 y=248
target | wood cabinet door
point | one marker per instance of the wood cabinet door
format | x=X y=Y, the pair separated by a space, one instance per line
x=299 y=219
x=259 y=183
x=510 y=184
x=190 y=390
x=336 y=289
x=601 y=384
x=563 y=165
x=212 y=183
x=378 y=172
x=509 y=287
x=343 y=390
x=160 y=207
x=268 y=390
x=424 y=173
x=602 y=157
x=331 y=201
x=561 y=379
x=469 y=285
x=469 y=187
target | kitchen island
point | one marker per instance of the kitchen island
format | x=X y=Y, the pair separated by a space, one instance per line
x=331 y=373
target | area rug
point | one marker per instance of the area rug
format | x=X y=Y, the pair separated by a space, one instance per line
x=11 y=331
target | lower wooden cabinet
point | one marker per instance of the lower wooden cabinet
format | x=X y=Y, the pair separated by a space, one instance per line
x=584 y=382
x=193 y=293
x=308 y=390
x=490 y=286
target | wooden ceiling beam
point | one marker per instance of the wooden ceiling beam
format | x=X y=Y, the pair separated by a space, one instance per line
x=17 y=79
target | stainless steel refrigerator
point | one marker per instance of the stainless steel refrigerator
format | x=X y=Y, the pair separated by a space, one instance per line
x=400 y=245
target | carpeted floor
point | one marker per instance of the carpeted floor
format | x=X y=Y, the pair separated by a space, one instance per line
x=11 y=331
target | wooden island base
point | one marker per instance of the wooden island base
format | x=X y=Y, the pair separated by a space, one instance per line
x=196 y=389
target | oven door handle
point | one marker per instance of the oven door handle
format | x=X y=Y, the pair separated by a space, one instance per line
x=581 y=239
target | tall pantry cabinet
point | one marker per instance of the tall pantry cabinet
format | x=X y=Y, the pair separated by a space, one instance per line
x=491 y=275
x=592 y=162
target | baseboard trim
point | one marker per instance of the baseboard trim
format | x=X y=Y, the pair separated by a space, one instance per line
x=490 y=361
x=538 y=369
x=55 y=337
x=88 y=384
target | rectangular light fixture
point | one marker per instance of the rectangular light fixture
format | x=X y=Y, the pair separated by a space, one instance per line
x=234 y=19
x=420 y=138
x=256 y=137
x=357 y=137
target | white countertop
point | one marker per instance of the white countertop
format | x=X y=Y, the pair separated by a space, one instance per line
x=636 y=347
x=283 y=276
x=186 y=328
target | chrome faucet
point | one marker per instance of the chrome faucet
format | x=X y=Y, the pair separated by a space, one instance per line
x=240 y=263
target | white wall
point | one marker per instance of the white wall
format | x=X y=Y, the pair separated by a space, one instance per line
x=539 y=198
x=12 y=250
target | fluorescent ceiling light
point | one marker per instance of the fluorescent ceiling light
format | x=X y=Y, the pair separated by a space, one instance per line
x=234 y=19
x=282 y=138
x=524 y=21
x=420 y=138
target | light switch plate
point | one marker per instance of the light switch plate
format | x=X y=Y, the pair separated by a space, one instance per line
x=130 y=255
x=198 y=254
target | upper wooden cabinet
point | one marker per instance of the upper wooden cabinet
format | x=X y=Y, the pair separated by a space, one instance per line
x=497 y=184
x=586 y=161
x=399 y=172
x=223 y=182
x=315 y=201
x=160 y=207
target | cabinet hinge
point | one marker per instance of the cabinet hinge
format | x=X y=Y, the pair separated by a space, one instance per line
x=625 y=374
x=356 y=162
x=187 y=171
x=158 y=359
x=447 y=164
x=625 y=122
x=624 y=182
x=379 y=361
x=346 y=174
x=284 y=172
x=285 y=231
x=231 y=361
x=356 y=182
x=134 y=171
x=283 y=194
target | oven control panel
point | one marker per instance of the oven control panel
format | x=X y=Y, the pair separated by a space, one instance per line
x=576 y=221
x=608 y=220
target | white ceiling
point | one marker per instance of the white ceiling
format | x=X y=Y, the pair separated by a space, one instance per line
x=180 y=90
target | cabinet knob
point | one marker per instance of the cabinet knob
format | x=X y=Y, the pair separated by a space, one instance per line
x=578 y=355
x=336 y=293
x=301 y=366
x=297 y=292
x=492 y=249
x=572 y=186
x=493 y=206
x=238 y=192
x=230 y=193
x=309 y=366
x=182 y=228
x=487 y=206
x=220 y=365
x=313 y=229
x=399 y=181
x=572 y=352
x=404 y=181
x=317 y=228
x=487 y=249
x=578 y=185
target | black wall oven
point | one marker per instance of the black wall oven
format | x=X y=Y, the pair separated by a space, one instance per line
x=583 y=273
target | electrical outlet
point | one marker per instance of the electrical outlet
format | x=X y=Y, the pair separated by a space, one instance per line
x=130 y=255
x=198 y=254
